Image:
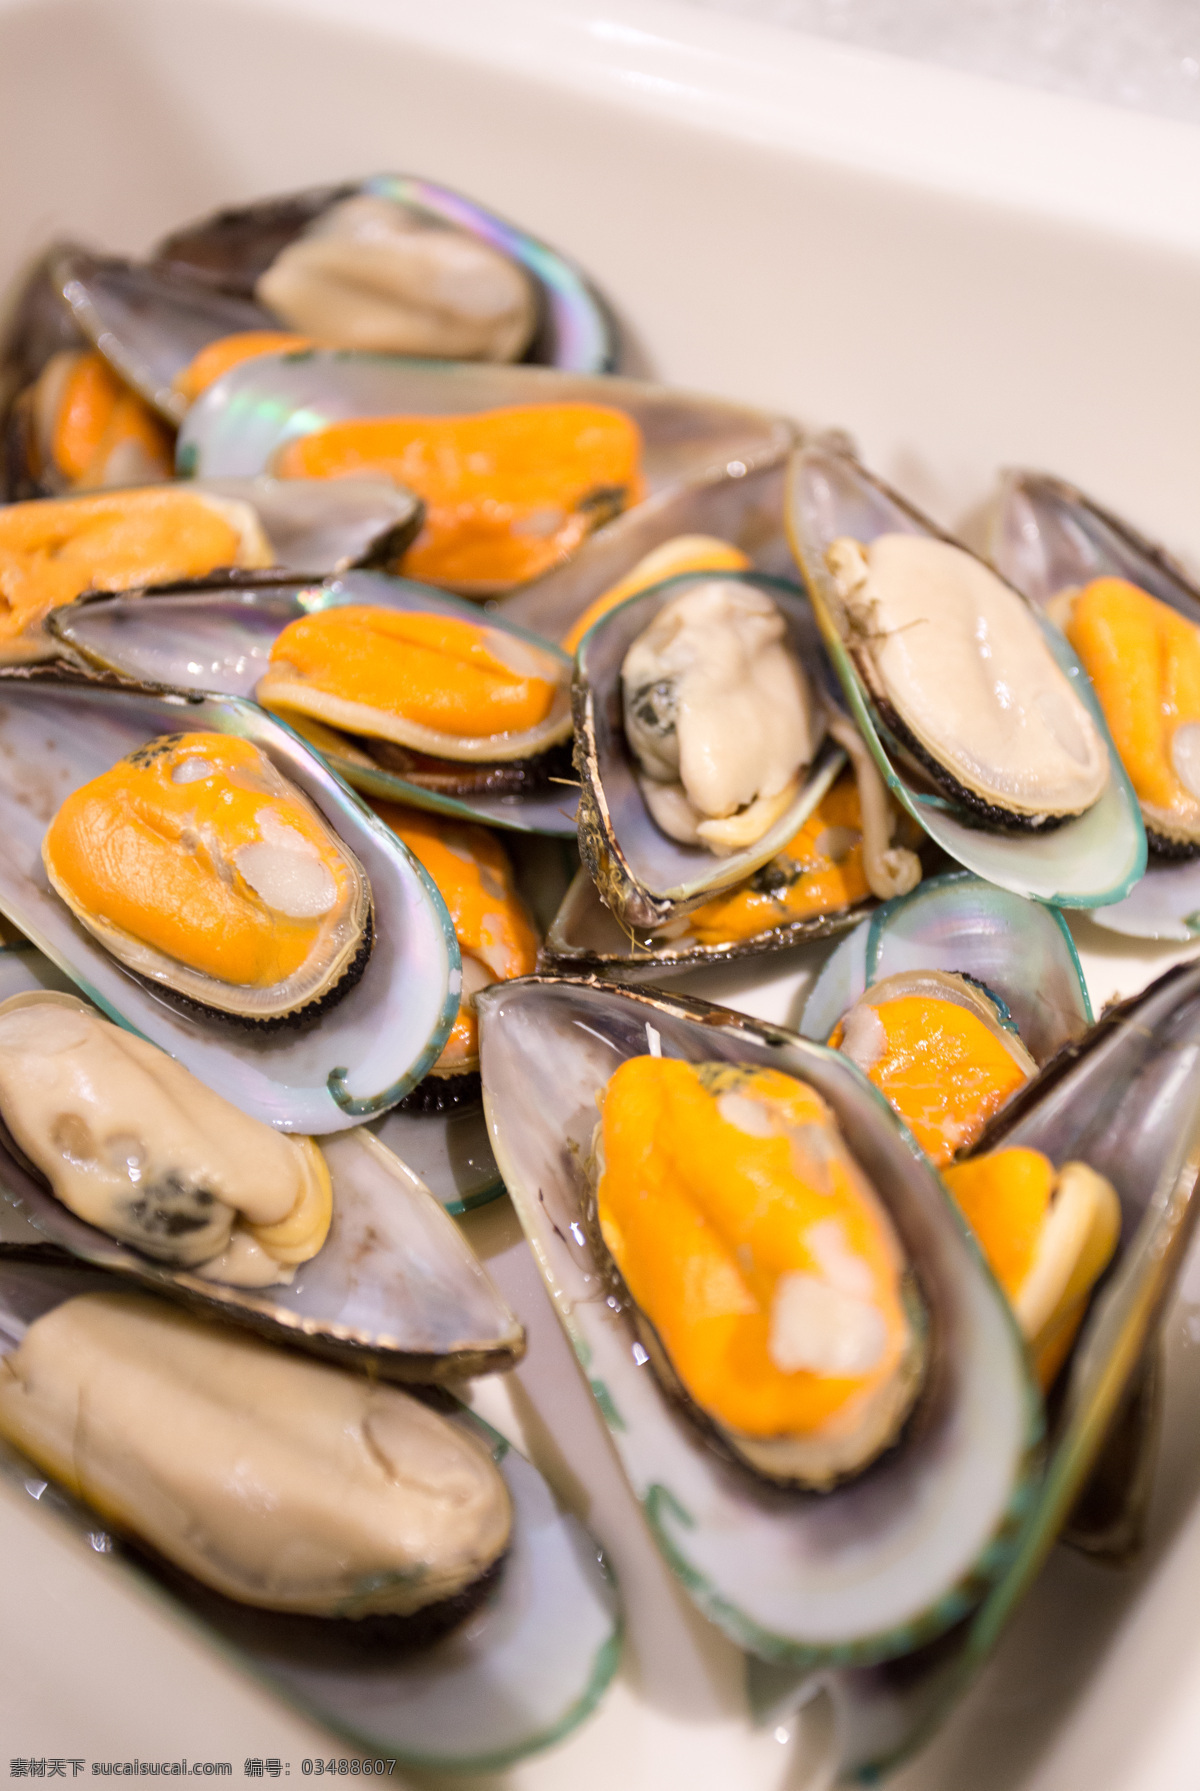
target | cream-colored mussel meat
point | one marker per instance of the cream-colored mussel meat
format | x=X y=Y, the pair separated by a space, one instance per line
x=719 y=716
x=134 y=1144
x=279 y=1481
x=962 y=674
x=374 y=274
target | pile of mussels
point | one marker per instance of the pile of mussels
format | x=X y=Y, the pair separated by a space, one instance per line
x=390 y=692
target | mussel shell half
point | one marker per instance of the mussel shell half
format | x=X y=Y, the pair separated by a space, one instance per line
x=148 y=322
x=219 y=637
x=1126 y=1100
x=644 y=876
x=882 y=1562
x=360 y=1057
x=742 y=505
x=1083 y=863
x=534 y=1659
x=237 y=426
x=395 y=1286
x=576 y=329
x=585 y=939
x=1020 y=951
x=1045 y=536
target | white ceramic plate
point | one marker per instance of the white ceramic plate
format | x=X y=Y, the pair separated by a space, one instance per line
x=962 y=274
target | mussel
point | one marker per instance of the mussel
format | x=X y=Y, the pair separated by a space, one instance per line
x=720 y=684
x=52 y=551
x=266 y=409
x=350 y=1498
x=399 y=697
x=201 y=869
x=814 y=887
x=761 y=1272
x=133 y=1144
x=1124 y=1101
x=118 y=1155
x=939 y=1039
x=495 y=932
x=1133 y=616
x=462 y=282
x=887 y=1556
x=364 y=1053
x=976 y=711
x=379 y=1506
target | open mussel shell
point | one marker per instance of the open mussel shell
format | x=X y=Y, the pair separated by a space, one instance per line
x=1021 y=952
x=424 y=1310
x=148 y=322
x=236 y=428
x=528 y=1665
x=882 y=1562
x=586 y=939
x=229 y=251
x=739 y=504
x=356 y=1059
x=218 y=637
x=1083 y=863
x=1126 y=1100
x=1045 y=536
x=643 y=876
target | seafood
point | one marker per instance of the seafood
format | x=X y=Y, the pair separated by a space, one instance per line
x=63 y=731
x=1042 y=808
x=673 y=694
x=240 y=426
x=495 y=933
x=883 y=1559
x=718 y=715
x=1048 y=1235
x=131 y=1142
x=938 y=1049
x=1056 y=544
x=947 y=1050
x=962 y=676
x=1018 y=956
x=815 y=885
x=200 y=868
x=349 y=1497
x=52 y=551
x=369 y=273
x=766 y=1280
x=544 y=1632
x=83 y=428
x=1125 y=1100
x=455 y=279
x=1143 y=659
x=426 y=1312
x=507 y=492
x=223 y=639
x=460 y=699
